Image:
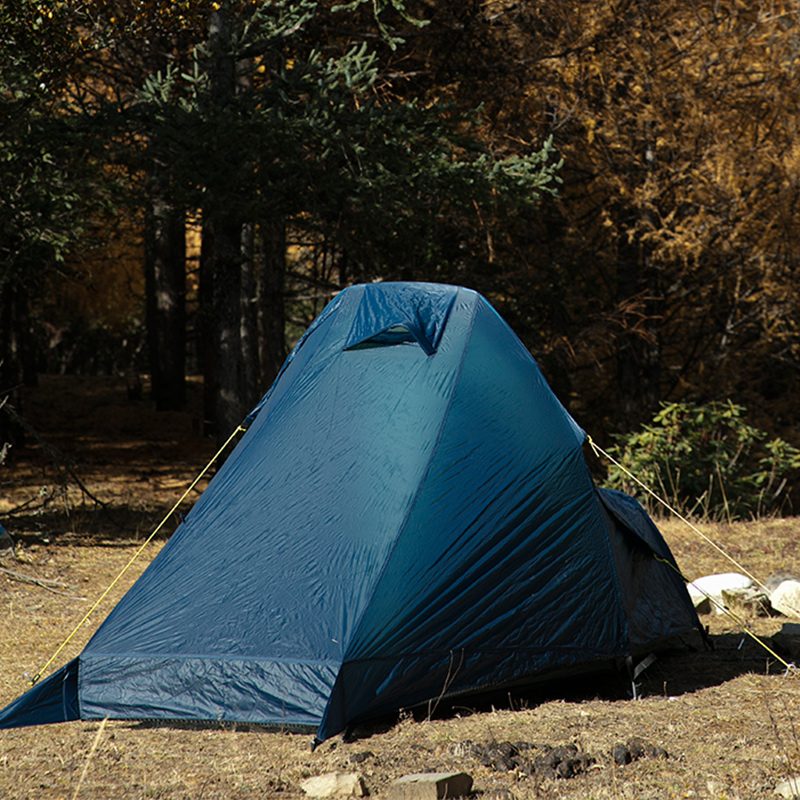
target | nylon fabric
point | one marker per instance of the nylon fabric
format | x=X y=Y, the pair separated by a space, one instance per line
x=54 y=699
x=421 y=309
x=408 y=514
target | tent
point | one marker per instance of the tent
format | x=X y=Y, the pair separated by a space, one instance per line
x=408 y=515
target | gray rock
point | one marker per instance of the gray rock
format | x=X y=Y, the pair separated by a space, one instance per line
x=621 y=755
x=430 y=786
x=750 y=601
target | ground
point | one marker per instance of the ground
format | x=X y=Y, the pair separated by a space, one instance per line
x=728 y=719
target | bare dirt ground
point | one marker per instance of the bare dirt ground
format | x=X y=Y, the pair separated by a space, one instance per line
x=728 y=719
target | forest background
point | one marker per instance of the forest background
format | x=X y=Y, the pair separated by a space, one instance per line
x=184 y=185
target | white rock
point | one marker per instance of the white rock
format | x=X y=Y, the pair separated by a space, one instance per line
x=789 y=789
x=786 y=599
x=334 y=784
x=712 y=585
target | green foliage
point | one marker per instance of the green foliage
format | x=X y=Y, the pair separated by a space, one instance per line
x=312 y=137
x=706 y=460
x=46 y=173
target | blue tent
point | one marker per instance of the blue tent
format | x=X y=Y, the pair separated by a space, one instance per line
x=408 y=514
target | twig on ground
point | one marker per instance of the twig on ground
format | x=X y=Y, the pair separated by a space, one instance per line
x=44 y=583
x=89 y=758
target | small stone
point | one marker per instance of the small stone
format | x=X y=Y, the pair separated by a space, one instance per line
x=524 y=765
x=430 y=786
x=547 y=760
x=565 y=769
x=789 y=789
x=507 y=749
x=546 y=773
x=563 y=753
x=502 y=763
x=658 y=752
x=360 y=758
x=334 y=784
x=636 y=748
x=746 y=601
x=621 y=755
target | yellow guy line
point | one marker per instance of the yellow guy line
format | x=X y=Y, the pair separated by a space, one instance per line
x=599 y=451
x=136 y=555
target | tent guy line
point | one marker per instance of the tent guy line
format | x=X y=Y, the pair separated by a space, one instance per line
x=599 y=451
x=720 y=606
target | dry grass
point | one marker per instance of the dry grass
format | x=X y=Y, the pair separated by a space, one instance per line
x=729 y=719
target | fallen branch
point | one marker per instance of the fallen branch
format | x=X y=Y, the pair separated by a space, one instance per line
x=44 y=583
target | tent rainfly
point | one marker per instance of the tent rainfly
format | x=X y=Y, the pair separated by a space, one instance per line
x=409 y=513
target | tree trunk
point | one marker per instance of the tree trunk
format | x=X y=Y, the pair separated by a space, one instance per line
x=272 y=313
x=229 y=368
x=10 y=433
x=223 y=249
x=165 y=277
x=205 y=329
x=248 y=329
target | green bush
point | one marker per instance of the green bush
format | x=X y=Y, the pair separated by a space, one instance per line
x=706 y=461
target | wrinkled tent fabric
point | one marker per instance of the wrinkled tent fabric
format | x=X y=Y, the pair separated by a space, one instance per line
x=409 y=511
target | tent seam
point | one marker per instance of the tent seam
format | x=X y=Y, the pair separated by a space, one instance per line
x=420 y=485
x=612 y=562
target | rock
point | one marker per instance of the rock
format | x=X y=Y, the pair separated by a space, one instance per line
x=542 y=760
x=751 y=601
x=564 y=753
x=636 y=748
x=789 y=789
x=777 y=578
x=430 y=786
x=786 y=599
x=334 y=784
x=524 y=765
x=711 y=586
x=621 y=755
x=360 y=758
x=788 y=638
x=565 y=769
x=499 y=762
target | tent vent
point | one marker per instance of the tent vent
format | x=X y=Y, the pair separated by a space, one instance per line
x=397 y=334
